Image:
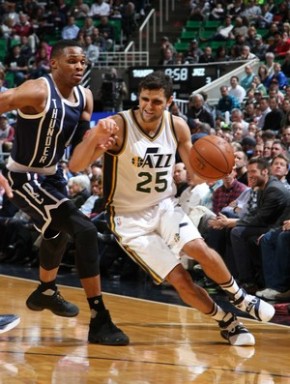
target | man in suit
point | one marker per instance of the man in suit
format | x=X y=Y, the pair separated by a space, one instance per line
x=273 y=199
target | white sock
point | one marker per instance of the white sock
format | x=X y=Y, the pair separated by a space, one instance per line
x=217 y=313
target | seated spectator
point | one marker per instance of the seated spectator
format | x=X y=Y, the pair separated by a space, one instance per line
x=41 y=65
x=237 y=116
x=92 y=52
x=79 y=189
x=239 y=131
x=280 y=164
x=265 y=109
x=247 y=78
x=96 y=193
x=274 y=118
x=79 y=10
x=236 y=90
x=282 y=44
x=246 y=54
x=227 y=102
x=17 y=64
x=100 y=8
x=248 y=229
x=70 y=30
x=88 y=26
x=263 y=73
x=266 y=17
x=168 y=57
x=129 y=20
x=277 y=75
x=250 y=39
x=267 y=151
x=269 y=63
x=235 y=7
x=241 y=27
x=227 y=192
x=107 y=31
x=285 y=66
x=25 y=48
x=221 y=54
x=248 y=144
x=7 y=133
x=99 y=40
x=23 y=27
x=260 y=47
x=197 y=111
x=258 y=86
x=252 y=11
x=224 y=32
x=180 y=178
x=175 y=110
x=207 y=56
x=274 y=246
x=285 y=136
x=259 y=150
x=250 y=112
x=194 y=52
x=241 y=162
x=217 y=12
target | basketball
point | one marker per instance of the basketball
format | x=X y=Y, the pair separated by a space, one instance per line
x=211 y=157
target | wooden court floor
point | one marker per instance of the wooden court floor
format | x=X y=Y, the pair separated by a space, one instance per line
x=170 y=344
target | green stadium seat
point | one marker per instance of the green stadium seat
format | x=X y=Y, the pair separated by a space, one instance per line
x=3 y=48
x=206 y=34
x=192 y=25
x=9 y=79
x=188 y=35
x=181 y=46
x=212 y=24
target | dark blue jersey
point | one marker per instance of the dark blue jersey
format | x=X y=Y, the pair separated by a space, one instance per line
x=41 y=139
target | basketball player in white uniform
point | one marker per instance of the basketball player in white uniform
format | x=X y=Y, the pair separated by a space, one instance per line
x=143 y=213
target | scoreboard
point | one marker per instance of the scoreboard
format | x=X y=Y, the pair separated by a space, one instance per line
x=186 y=78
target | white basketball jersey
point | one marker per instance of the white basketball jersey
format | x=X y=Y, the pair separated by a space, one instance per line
x=141 y=174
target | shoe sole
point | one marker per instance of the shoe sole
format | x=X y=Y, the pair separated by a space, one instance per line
x=10 y=326
x=37 y=308
x=116 y=343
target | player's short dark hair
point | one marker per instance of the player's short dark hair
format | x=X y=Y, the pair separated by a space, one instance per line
x=157 y=80
x=59 y=46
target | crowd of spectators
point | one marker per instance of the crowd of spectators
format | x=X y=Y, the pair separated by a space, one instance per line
x=247 y=30
x=28 y=28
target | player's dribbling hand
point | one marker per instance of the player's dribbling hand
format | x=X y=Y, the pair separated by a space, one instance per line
x=6 y=186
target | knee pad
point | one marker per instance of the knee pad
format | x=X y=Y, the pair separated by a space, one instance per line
x=87 y=255
x=51 y=251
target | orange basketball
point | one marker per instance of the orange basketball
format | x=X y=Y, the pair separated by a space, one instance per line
x=211 y=157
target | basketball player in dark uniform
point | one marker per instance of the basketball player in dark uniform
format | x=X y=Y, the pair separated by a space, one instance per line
x=53 y=113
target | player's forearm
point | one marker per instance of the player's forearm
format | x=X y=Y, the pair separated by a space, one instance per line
x=84 y=154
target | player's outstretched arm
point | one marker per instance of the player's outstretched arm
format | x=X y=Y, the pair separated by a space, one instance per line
x=97 y=140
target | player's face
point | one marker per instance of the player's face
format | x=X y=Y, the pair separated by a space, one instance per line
x=70 y=66
x=152 y=104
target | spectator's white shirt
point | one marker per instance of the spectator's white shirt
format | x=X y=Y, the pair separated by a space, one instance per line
x=70 y=32
x=92 y=53
x=100 y=10
x=192 y=196
x=238 y=92
x=261 y=121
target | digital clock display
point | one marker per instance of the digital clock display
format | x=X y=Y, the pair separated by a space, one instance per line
x=186 y=78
